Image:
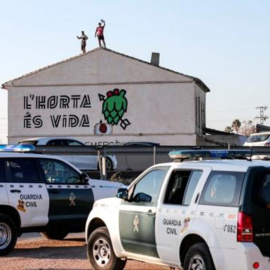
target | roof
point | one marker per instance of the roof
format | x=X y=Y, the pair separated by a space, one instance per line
x=196 y=80
x=236 y=165
x=262 y=128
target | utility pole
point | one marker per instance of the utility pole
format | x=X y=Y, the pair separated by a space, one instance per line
x=262 y=117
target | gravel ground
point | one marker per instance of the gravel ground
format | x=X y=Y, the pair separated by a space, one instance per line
x=39 y=253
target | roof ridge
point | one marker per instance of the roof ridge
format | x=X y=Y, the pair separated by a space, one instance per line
x=197 y=80
x=51 y=65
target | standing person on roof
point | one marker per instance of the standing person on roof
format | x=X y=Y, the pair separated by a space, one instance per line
x=99 y=33
x=83 y=37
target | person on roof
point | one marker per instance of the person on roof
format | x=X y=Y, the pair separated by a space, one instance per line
x=83 y=37
x=100 y=33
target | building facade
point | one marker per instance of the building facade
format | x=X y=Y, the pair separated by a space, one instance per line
x=104 y=97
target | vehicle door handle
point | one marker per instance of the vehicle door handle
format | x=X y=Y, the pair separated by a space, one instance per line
x=15 y=191
x=150 y=213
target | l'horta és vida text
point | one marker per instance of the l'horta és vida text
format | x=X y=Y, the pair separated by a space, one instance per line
x=53 y=103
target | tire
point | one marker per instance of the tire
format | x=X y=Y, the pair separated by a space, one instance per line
x=100 y=251
x=54 y=235
x=8 y=235
x=198 y=257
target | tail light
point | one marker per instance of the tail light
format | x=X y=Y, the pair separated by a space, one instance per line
x=267 y=144
x=244 y=228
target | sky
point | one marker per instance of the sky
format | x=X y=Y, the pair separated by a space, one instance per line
x=225 y=43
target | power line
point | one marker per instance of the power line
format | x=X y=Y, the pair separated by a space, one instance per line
x=262 y=117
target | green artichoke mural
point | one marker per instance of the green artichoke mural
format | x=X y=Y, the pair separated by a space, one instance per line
x=114 y=107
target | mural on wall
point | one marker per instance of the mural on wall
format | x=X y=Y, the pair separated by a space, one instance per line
x=114 y=107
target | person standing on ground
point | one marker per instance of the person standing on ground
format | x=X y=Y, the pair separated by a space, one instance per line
x=100 y=33
x=83 y=37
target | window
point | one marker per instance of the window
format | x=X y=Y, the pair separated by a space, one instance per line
x=193 y=181
x=258 y=138
x=64 y=142
x=74 y=143
x=57 y=172
x=28 y=142
x=2 y=171
x=222 y=188
x=57 y=143
x=261 y=188
x=149 y=185
x=181 y=187
x=21 y=170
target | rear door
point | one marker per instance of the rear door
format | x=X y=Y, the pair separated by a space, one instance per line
x=257 y=205
x=176 y=212
x=26 y=192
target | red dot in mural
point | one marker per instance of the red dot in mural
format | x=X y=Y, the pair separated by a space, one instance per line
x=109 y=93
x=103 y=128
x=116 y=91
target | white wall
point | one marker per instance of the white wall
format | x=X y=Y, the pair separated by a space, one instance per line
x=153 y=110
x=160 y=102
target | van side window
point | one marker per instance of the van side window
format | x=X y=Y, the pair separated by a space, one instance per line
x=21 y=170
x=222 y=188
x=181 y=187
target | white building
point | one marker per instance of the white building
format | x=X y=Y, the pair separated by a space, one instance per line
x=141 y=101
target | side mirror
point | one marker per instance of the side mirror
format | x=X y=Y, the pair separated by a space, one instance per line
x=122 y=193
x=84 y=178
x=142 y=197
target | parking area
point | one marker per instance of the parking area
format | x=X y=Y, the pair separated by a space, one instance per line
x=35 y=253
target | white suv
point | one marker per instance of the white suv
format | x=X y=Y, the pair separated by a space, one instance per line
x=202 y=214
x=258 y=139
x=41 y=193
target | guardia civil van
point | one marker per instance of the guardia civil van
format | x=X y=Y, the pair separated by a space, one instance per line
x=202 y=214
x=41 y=193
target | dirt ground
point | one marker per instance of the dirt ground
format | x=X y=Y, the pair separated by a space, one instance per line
x=39 y=253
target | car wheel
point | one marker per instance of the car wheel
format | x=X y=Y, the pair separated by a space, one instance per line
x=55 y=235
x=8 y=235
x=198 y=257
x=109 y=164
x=100 y=251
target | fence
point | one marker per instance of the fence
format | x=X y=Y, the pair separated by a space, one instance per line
x=132 y=160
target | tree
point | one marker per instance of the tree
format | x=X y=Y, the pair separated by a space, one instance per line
x=236 y=124
x=247 y=128
x=228 y=129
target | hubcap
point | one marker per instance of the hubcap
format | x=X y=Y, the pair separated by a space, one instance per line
x=196 y=263
x=101 y=252
x=5 y=235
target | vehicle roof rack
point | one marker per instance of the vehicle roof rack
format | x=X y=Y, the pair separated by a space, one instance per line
x=180 y=155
